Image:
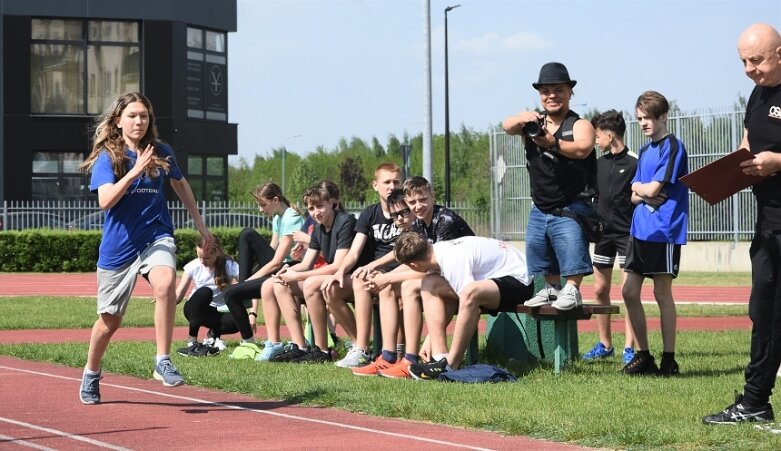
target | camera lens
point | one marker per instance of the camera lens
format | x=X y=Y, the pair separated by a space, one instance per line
x=532 y=129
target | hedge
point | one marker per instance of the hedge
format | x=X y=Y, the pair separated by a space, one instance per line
x=77 y=251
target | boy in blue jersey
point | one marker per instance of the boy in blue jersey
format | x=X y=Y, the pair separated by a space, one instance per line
x=657 y=232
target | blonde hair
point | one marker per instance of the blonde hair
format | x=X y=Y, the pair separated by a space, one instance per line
x=108 y=137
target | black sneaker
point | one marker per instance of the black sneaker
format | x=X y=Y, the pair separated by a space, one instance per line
x=186 y=350
x=202 y=350
x=315 y=355
x=640 y=365
x=428 y=371
x=669 y=368
x=291 y=351
x=740 y=412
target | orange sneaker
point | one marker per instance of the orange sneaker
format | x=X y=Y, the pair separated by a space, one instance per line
x=372 y=368
x=400 y=370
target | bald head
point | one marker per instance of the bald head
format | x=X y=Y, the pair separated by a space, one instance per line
x=759 y=47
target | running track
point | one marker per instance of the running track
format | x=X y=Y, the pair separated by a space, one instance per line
x=139 y=414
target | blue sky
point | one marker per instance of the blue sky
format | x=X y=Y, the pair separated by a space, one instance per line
x=304 y=74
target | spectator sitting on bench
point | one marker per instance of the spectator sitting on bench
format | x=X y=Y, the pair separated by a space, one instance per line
x=482 y=273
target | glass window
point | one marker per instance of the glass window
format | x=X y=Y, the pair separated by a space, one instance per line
x=56 y=75
x=112 y=71
x=107 y=31
x=215 y=166
x=194 y=38
x=194 y=165
x=197 y=186
x=56 y=29
x=57 y=176
x=215 y=41
x=215 y=190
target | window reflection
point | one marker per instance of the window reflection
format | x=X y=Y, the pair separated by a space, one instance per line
x=215 y=41
x=112 y=71
x=56 y=79
x=56 y=29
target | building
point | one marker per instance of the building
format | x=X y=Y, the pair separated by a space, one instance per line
x=64 y=61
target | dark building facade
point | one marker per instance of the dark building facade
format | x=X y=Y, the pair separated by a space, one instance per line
x=64 y=61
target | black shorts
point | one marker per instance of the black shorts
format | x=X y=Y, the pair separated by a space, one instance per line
x=648 y=258
x=610 y=246
x=511 y=293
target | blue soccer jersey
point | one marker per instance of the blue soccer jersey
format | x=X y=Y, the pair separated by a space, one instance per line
x=663 y=161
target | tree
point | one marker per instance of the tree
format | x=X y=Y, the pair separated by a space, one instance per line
x=353 y=181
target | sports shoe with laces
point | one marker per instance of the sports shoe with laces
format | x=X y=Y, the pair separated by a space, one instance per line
x=599 y=351
x=90 y=388
x=215 y=342
x=740 y=412
x=289 y=352
x=185 y=351
x=315 y=355
x=245 y=350
x=428 y=371
x=373 y=368
x=201 y=350
x=629 y=354
x=641 y=364
x=399 y=370
x=668 y=368
x=568 y=298
x=546 y=296
x=355 y=357
x=270 y=350
x=166 y=371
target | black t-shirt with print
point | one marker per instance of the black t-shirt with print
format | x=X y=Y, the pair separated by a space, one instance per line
x=445 y=225
x=763 y=122
x=340 y=236
x=381 y=232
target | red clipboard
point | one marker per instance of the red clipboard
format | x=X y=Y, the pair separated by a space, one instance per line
x=722 y=178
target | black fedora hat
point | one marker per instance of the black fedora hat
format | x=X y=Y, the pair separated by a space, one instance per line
x=553 y=74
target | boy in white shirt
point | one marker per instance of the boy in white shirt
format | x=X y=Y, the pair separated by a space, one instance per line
x=482 y=273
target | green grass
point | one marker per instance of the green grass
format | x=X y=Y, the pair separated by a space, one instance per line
x=591 y=404
x=50 y=312
x=721 y=279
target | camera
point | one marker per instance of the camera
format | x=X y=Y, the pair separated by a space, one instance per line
x=534 y=129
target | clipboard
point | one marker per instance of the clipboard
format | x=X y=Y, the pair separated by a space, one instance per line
x=722 y=178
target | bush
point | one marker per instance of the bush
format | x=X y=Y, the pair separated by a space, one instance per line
x=77 y=251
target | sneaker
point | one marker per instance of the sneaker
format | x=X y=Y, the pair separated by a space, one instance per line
x=269 y=351
x=90 y=388
x=740 y=412
x=669 y=368
x=245 y=350
x=545 y=296
x=166 y=371
x=428 y=371
x=373 y=368
x=568 y=298
x=400 y=370
x=215 y=342
x=289 y=352
x=641 y=365
x=629 y=354
x=185 y=351
x=315 y=355
x=599 y=351
x=201 y=350
x=355 y=357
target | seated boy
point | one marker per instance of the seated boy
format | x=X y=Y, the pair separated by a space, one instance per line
x=482 y=273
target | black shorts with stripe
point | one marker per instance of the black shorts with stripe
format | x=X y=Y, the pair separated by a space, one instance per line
x=649 y=258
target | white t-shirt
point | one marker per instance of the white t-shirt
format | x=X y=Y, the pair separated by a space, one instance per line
x=203 y=277
x=471 y=258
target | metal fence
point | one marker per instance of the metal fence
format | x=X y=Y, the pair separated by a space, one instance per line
x=86 y=215
x=707 y=136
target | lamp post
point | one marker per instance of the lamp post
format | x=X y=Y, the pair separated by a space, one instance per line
x=447 y=118
x=284 y=152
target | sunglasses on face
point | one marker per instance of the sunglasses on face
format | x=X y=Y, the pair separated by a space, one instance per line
x=403 y=213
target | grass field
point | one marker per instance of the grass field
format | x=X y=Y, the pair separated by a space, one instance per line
x=589 y=404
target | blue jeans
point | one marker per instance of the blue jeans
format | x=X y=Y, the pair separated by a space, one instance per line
x=557 y=245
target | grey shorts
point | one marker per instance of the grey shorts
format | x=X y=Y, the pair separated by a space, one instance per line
x=116 y=285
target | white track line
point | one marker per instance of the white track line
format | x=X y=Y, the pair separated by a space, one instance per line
x=20 y=442
x=97 y=443
x=264 y=412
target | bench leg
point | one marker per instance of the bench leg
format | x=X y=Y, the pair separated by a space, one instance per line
x=472 y=351
x=560 y=340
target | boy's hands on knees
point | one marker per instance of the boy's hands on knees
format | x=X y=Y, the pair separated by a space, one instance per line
x=336 y=279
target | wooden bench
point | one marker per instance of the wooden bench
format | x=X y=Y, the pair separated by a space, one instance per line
x=561 y=325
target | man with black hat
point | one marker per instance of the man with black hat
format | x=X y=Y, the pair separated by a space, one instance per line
x=562 y=168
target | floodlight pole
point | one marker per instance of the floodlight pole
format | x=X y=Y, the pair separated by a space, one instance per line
x=447 y=117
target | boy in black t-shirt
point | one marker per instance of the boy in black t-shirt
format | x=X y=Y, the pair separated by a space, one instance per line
x=375 y=233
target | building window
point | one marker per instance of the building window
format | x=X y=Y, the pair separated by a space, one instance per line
x=207 y=75
x=56 y=176
x=81 y=66
x=207 y=177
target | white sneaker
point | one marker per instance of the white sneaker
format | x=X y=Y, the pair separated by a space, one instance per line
x=355 y=357
x=215 y=342
x=568 y=298
x=545 y=296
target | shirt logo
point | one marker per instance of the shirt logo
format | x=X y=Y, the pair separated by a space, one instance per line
x=621 y=171
x=775 y=112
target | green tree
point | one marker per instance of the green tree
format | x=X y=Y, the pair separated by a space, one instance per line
x=353 y=181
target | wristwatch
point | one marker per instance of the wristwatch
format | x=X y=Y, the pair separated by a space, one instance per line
x=555 y=147
x=253 y=314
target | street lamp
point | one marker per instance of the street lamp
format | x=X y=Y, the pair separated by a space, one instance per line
x=284 y=152
x=447 y=118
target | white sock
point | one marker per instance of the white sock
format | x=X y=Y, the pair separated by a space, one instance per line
x=438 y=357
x=90 y=372
x=160 y=358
